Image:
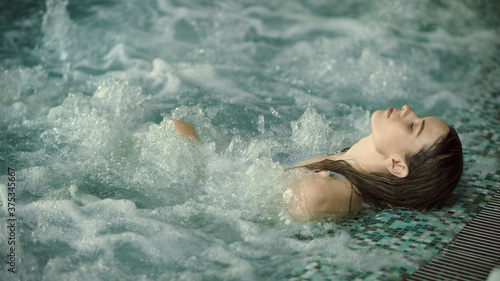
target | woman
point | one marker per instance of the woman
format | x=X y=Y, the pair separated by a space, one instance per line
x=406 y=162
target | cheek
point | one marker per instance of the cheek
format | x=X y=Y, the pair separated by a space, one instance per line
x=393 y=136
x=384 y=141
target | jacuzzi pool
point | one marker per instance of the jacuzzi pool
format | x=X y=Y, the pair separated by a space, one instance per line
x=105 y=189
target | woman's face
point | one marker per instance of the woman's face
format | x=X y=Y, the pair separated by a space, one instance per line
x=402 y=131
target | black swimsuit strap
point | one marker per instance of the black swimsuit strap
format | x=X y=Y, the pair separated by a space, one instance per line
x=350 y=200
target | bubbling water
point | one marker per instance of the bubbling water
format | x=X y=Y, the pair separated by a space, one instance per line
x=144 y=197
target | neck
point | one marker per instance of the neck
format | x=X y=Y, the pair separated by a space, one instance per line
x=363 y=157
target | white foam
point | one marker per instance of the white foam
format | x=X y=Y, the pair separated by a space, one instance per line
x=311 y=134
x=27 y=93
x=56 y=26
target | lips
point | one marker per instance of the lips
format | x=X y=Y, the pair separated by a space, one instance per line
x=389 y=112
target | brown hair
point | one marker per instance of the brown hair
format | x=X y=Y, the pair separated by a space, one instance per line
x=434 y=173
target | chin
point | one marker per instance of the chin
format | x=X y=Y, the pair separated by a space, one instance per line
x=376 y=118
x=376 y=115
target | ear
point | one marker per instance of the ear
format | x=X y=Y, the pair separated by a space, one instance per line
x=397 y=166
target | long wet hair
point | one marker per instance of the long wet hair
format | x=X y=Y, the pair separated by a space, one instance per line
x=434 y=173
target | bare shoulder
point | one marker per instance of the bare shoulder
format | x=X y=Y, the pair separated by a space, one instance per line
x=323 y=196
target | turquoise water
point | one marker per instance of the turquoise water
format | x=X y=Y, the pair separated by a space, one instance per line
x=105 y=190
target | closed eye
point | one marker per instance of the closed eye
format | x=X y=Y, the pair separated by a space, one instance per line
x=422 y=124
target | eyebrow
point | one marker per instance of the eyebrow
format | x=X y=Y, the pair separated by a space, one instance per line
x=421 y=127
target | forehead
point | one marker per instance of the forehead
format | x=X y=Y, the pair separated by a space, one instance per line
x=434 y=129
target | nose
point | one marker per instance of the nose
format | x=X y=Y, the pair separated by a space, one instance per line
x=405 y=110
